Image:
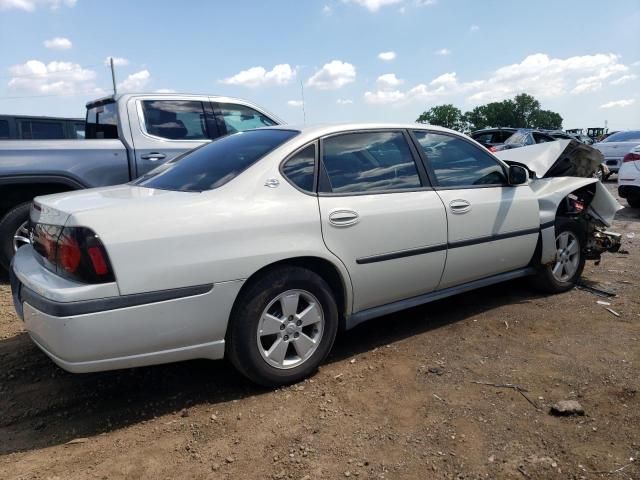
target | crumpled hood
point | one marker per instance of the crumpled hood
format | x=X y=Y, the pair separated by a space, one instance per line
x=562 y=158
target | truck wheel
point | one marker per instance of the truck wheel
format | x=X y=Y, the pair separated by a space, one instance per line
x=634 y=201
x=282 y=326
x=563 y=273
x=13 y=232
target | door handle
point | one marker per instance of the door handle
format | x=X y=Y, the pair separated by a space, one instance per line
x=343 y=218
x=153 y=156
x=459 y=206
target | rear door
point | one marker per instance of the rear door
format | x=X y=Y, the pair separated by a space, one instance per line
x=493 y=227
x=164 y=128
x=380 y=216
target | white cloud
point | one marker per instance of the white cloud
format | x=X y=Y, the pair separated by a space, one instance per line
x=32 y=5
x=387 y=56
x=295 y=103
x=281 y=74
x=58 y=43
x=333 y=75
x=164 y=90
x=344 y=101
x=425 y=3
x=636 y=63
x=384 y=97
x=373 y=5
x=624 y=79
x=443 y=52
x=327 y=10
x=53 y=78
x=117 y=61
x=136 y=82
x=619 y=103
x=388 y=80
x=474 y=28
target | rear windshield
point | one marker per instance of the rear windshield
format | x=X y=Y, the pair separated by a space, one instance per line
x=215 y=163
x=632 y=136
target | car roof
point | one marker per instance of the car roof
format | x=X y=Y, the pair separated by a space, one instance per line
x=319 y=130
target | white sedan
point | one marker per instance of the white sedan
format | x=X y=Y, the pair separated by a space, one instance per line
x=629 y=178
x=261 y=245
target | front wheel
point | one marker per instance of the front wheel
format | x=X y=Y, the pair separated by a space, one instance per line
x=282 y=326
x=563 y=273
x=13 y=232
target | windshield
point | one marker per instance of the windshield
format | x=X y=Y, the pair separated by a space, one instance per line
x=215 y=163
x=102 y=121
x=631 y=136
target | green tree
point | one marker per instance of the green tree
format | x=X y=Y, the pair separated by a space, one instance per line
x=546 y=119
x=443 y=115
x=524 y=107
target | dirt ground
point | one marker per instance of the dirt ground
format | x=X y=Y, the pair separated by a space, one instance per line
x=396 y=399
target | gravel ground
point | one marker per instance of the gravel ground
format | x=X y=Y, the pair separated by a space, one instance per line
x=398 y=398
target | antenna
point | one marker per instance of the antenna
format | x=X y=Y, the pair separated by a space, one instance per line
x=304 y=112
x=113 y=76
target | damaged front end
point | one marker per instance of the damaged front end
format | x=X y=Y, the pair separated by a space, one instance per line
x=562 y=179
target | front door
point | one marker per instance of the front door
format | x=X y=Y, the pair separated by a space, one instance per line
x=380 y=217
x=493 y=227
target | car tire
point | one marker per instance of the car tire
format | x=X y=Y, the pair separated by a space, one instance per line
x=15 y=219
x=564 y=272
x=634 y=201
x=267 y=320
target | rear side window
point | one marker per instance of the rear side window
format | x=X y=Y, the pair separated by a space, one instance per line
x=102 y=121
x=238 y=118
x=4 y=129
x=300 y=168
x=36 y=130
x=215 y=163
x=369 y=162
x=458 y=163
x=175 y=119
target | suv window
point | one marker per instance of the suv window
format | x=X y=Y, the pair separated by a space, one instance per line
x=4 y=129
x=215 y=163
x=102 y=121
x=175 y=119
x=457 y=163
x=42 y=130
x=369 y=162
x=542 y=138
x=238 y=118
x=300 y=168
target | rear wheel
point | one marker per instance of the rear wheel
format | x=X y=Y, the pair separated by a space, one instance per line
x=13 y=232
x=563 y=273
x=634 y=201
x=282 y=327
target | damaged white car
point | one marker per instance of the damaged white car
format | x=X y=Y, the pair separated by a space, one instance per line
x=260 y=245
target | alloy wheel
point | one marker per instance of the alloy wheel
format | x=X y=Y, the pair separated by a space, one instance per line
x=567 y=256
x=290 y=329
x=21 y=237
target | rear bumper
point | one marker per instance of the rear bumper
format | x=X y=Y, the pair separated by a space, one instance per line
x=613 y=164
x=91 y=335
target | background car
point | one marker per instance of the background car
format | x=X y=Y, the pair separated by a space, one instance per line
x=490 y=137
x=616 y=146
x=523 y=137
x=629 y=178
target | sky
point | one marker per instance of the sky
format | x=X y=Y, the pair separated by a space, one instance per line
x=351 y=60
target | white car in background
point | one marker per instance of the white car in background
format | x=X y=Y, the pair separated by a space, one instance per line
x=616 y=146
x=258 y=246
x=629 y=178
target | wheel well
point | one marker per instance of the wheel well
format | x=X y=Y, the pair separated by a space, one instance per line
x=320 y=266
x=17 y=193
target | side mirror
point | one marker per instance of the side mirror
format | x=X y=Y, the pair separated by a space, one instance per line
x=518 y=175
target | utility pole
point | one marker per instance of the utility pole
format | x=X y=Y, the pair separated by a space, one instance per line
x=304 y=113
x=113 y=76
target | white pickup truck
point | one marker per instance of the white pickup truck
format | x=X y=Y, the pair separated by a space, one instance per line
x=126 y=136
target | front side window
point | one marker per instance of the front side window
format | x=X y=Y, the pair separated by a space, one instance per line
x=369 y=162
x=4 y=129
x=300 y=168
x=458 y=163
x=238 y=118
x=102 y=121
x=215 y=163
x=175 y=119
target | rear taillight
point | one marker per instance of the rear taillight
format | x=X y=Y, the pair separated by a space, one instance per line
x=73 y=252
x=493 y=149
x=631 y=157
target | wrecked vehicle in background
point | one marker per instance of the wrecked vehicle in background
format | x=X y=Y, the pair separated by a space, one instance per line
x=553 y=168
